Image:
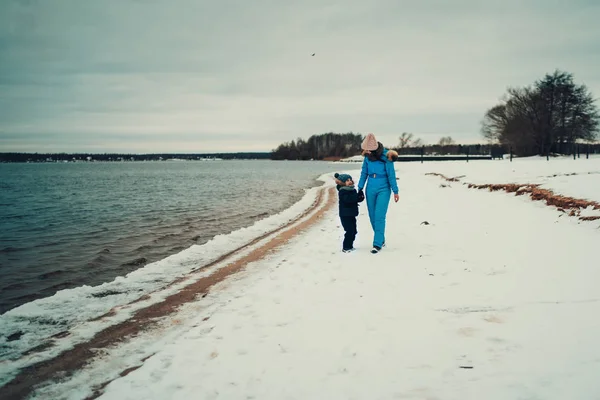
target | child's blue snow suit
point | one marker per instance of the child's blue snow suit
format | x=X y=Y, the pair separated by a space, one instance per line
x=382 y=181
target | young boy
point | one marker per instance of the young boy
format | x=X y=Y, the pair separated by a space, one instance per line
x=348 y=201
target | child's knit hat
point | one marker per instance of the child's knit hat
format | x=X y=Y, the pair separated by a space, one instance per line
x=342 y=177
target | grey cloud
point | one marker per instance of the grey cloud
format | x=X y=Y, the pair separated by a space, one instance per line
x=243 y=69
x=139 y=142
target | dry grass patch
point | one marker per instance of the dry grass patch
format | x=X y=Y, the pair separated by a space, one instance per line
x=563 y=203
x=443 y=176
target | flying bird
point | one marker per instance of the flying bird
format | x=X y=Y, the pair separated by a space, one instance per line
x=313 y=54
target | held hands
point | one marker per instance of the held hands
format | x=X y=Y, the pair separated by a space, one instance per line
x=361 y=195
x=396 y=197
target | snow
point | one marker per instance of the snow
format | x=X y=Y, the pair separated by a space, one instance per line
x=565 y=176
x=585 y=187
x=499 y=284
x=358 y=158
x=562 y=174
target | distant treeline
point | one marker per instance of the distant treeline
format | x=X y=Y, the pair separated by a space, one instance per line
x=343 y=145
x=454 y=149
x=61 y=157
x=319 y=147
x=495 y=150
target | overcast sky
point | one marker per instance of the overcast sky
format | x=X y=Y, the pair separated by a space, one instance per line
x=223 y=75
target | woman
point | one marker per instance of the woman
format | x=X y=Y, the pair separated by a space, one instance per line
x=378 y=171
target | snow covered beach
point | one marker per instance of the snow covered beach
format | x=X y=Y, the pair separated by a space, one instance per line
x=495 y=297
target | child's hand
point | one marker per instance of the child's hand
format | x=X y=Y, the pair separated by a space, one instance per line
x=361 y=196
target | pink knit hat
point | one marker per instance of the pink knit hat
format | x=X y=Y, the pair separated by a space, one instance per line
x=370 y=143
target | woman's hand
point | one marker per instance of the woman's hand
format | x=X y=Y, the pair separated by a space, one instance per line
x=396 y=197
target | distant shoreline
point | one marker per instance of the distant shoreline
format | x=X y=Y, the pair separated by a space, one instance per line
x=126 y=157
x=34 y=158
x=147 y=158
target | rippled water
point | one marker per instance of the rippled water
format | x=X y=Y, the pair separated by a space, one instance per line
x=73 y=224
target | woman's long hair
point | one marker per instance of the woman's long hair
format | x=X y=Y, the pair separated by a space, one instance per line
x=376 y=154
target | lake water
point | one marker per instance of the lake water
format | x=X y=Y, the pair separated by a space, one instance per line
x=65 y=225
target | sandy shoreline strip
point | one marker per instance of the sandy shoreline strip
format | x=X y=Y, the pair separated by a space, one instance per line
x=144 y=319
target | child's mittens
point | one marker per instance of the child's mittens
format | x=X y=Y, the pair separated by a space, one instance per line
x=361 y=195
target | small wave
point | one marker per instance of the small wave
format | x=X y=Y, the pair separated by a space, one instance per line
x=177 y=249
x=10 y=249
x=26 y=298
x=51 y=274
x=14 y=336
x=57 y=287
x=135 y=263
x=190 y=227
x=46 y=244
x=144 y=247
x=163 y=237
x=151 y=219
x=16 y=216
x=226 y=217
x=40 y=320
x=105 y=293
x=98 y=261
x=259 y=216
x=15 y=286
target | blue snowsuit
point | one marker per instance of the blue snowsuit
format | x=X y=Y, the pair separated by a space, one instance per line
x=382 y=181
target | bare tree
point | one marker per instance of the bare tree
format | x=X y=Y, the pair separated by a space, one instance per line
x=408 y=140
x=493 y=123
x=446 y=141
x=405 y=140
x=417 y=142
